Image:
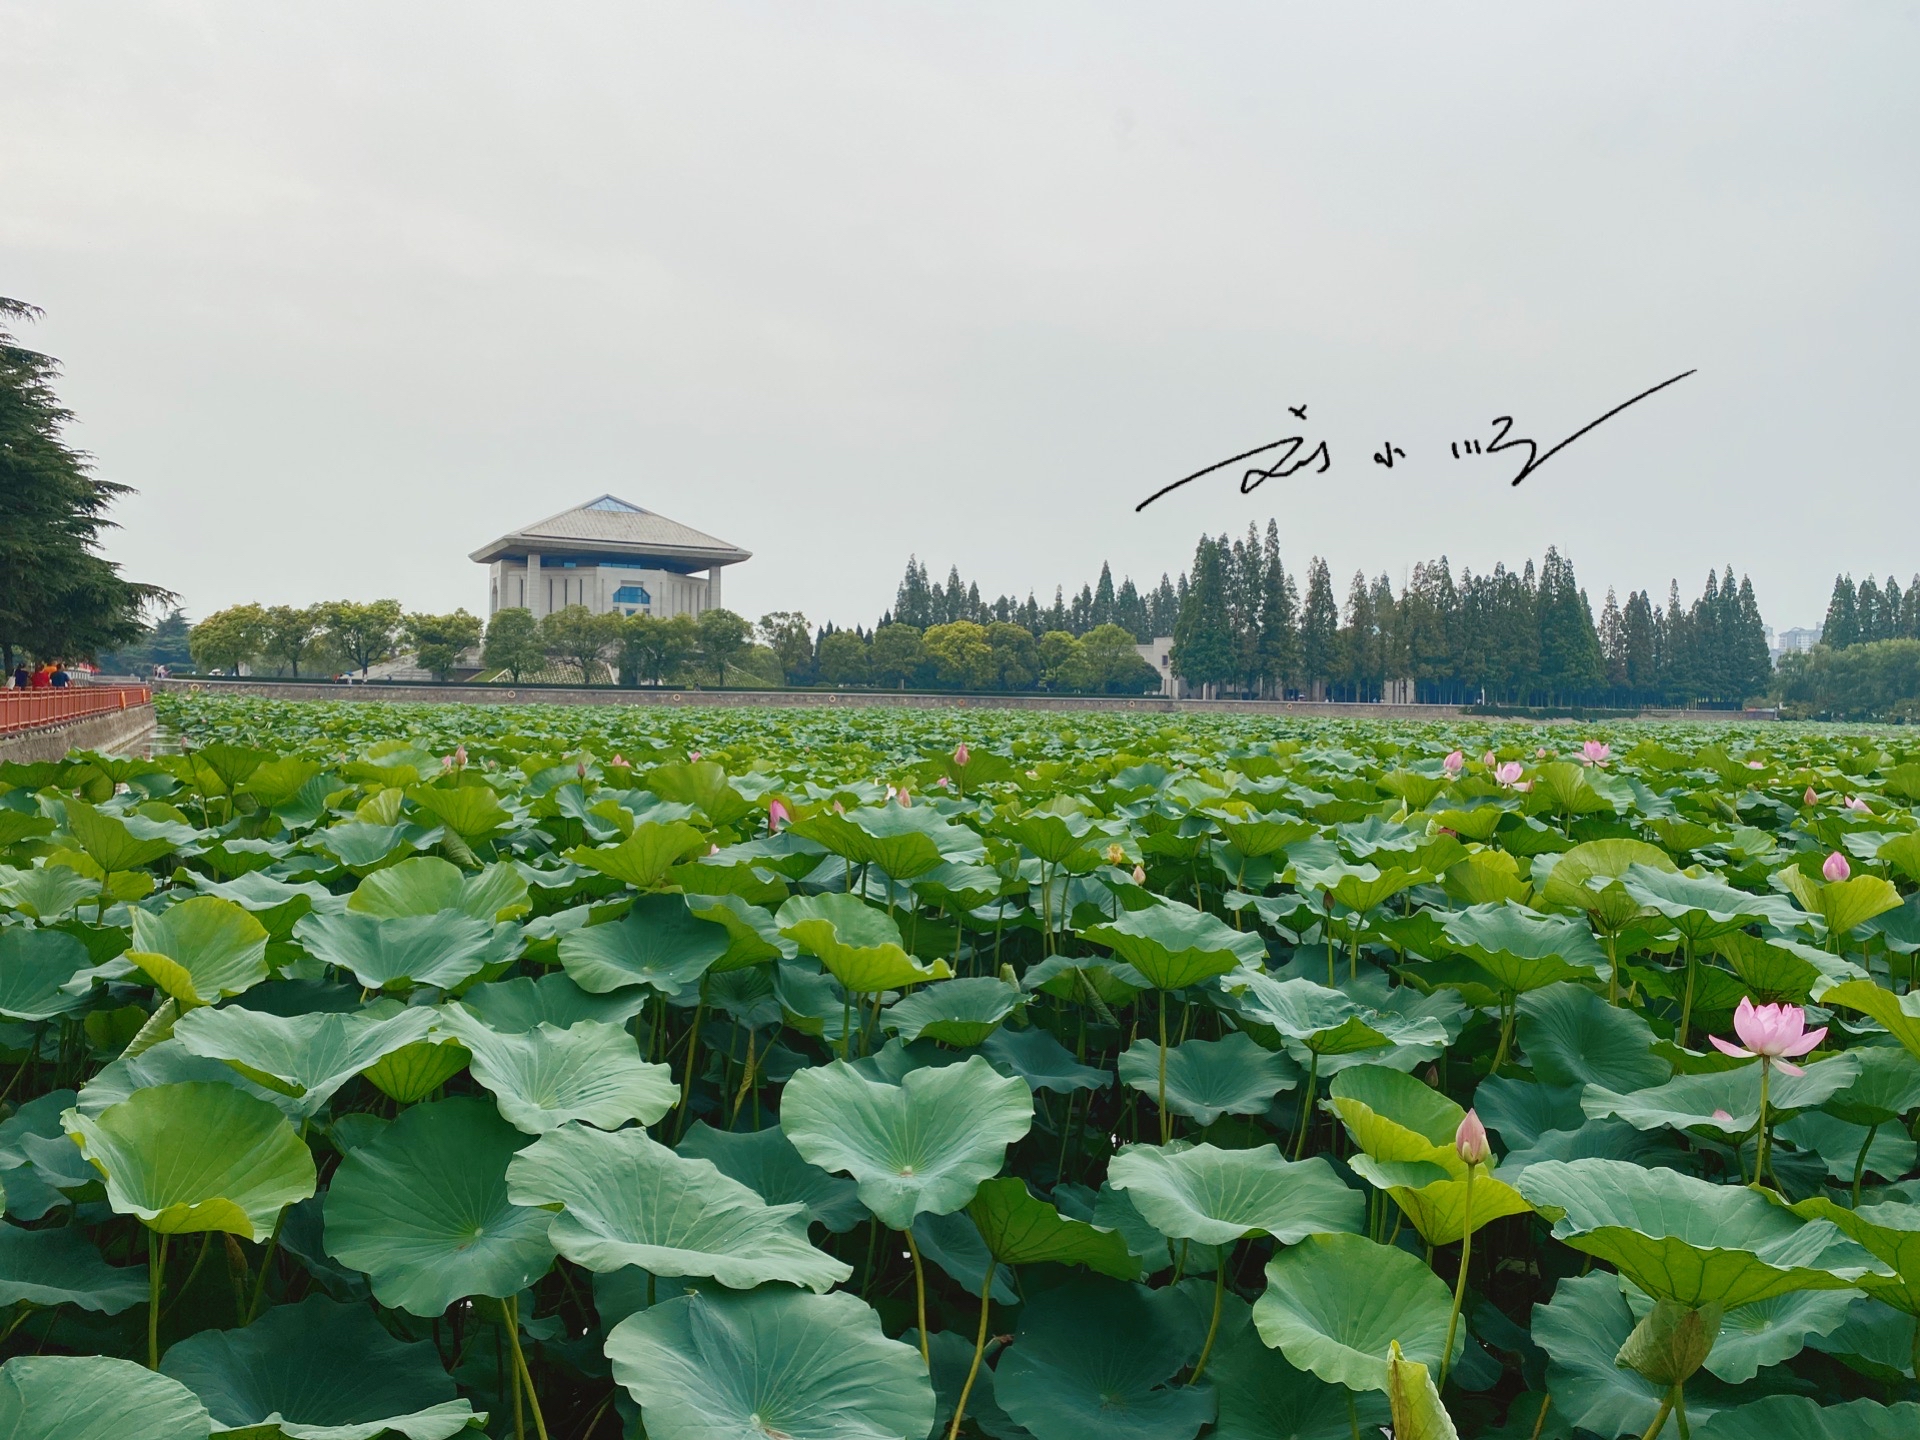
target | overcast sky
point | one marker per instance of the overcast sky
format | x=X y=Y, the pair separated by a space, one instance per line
x=347 y=290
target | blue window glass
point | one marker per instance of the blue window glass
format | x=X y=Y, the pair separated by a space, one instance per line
x=632 y=595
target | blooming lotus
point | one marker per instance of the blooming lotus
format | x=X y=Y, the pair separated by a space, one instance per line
x=693 y=757
x=1756 y=765
x=1454 y=763
x=1859 y=806
x=1540 y=753
x=1836 y=868
x=1771 y=1034
x=1509 y=774
x=1595 y=752
x=1115 y=854
x=1470 y=1140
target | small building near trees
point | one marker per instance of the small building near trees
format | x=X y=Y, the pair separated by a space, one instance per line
x=611 y=556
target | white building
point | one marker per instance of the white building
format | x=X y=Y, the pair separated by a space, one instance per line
x=608 y=555
x=1792 y=642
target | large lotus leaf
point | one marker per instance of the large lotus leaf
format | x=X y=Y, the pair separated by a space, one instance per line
x=1092 y=1359
x=1262 y=1397
x=415 y=1071
x=645 y=857
x=442 y=949
x=1686 y=1240
x=1571 y=882
x=766 y=1163
x=1795 y=1417
x=1520 y=950
x=1174 y=945
x=1210 y=1078
x=1888 y=1150
x=46 y=892
x=310 y=1056
x=200 y=950
x=1396 y=1118
x=961 y=1013
x=1582 y=1331
x=196 y=1157
x=909 y=841
x=659 y=943
x=722 y=1366
x=472 y=812
x=1334 y=1303
x=92 y=1397
x=753 y=937
x=1772 y=972
x=422 y=1209
x=1042 y=1061
x=1765 y=1332
x=1414 y=1399
x=1219 y=1196
x=168 y=1062
x=1700 y=907
x=524 y=1003
x=951 y=1243
x=1887 y=1087
x=1571 y=1036
x=1900 y=1014
x=1298 y=1009
x=700 y=783
x=1689 y=1100
x=1440 y=1206
x=276 y=904
x=320 y=1370
x=629 y=1200
x=1521 y=1111
x=860 y=945
x=110 y=842
x=427 y=885
x=34 y=965
x=1020 y=1229
x=545 y=1077
x=920 y=1146
x=60 y=1267
x=1844 y=905
x=1891 y=1233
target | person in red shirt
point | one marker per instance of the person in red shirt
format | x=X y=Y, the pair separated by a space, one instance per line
x=43 y=678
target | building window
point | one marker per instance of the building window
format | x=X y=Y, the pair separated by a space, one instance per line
x=632 y=595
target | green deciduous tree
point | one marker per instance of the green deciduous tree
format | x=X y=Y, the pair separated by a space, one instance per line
x=363 y=633
x=790 y=636
x=228 y=638
x=575 y=636
x=843 y=659
x=724 y=638
x=291 y=633
x=897 y=656
x=438 y=640
x=513 y=643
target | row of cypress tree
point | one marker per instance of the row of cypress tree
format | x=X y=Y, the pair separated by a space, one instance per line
x=1870 y=612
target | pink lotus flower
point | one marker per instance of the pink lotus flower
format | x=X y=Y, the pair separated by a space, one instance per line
x=446 y=762
x=1836 y=868
x=1595 y=752
x=1857 y=805
x=1540 y=753
x=460 y=756
x=777 y=815
x=960 y=756
x=1139 y=875
x=904 y=799
x=1771 y=1033
x=943 y=782
x=1454 y=763
x=1470 y=1140
x=693 y=757
x=1509 y=774
x=1812 y=799
x=580 y=769
x=620 y=760
x=1723 y=1118
x=1756 y=765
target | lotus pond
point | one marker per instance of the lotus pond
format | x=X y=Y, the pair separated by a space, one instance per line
x=732 y=1075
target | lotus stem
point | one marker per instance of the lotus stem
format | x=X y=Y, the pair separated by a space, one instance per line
x=266 y=1264
x=1686 y=1004
x=1761 y=1162
x=156 y=1270
x=1353 y=1416
x=920 y=1294
x=1166 y=1120
x=1860 y=1165
x=520 y=1368
x=1460 y=1281
x=693 y=1059
x=1540 y=1423
x=1680 y=1412
x=1660 y=1417
x=979 y=1350
x=1306 y=1106
x=1506 y=1036
x=1213 y=1326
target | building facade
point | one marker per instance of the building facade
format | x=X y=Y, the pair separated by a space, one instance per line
x=611 y=556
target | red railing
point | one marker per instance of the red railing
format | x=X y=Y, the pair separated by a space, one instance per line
x=40 y=709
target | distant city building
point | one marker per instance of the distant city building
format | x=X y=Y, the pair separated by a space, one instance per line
x=610 y=556
x=1158 y=652
x=1792 y=642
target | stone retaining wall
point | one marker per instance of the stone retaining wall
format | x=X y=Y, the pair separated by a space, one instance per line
x=110 y=730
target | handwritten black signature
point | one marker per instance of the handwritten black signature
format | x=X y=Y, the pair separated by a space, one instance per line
x=1292 y=460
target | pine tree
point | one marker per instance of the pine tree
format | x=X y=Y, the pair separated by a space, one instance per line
x=1755 y=665
x=1202 y=635
x=1571 y=662
x=1640 y=645
x=1100 y=604
x=1842 y=627
x=1613 y=642
x=1319 y=630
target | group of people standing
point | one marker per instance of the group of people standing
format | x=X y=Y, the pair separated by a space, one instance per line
x=49 y=675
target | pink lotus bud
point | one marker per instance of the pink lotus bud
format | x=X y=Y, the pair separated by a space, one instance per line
x=1540 y=753
x=838 y=808
x=1489 y=759
x=693 y=757
x=1723 y=1118
x=1470 y=1140
x=943 y=783
x=1812 y=799
x=1454 y=763
x=1836 y=868
x=446 y=762
x=1756 y=765
x=580 y=768
x=960 y=756
x=1595 y=752
x=1139 y=875
x=1509 y=773
x=904 y=799
x=620 y=760
x=713 y=849
x=777 y=815
x=460 y=756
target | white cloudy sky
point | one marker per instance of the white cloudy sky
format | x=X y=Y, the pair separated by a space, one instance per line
x=348 y=289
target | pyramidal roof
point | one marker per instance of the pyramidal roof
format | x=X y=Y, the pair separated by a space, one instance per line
x=611 y=525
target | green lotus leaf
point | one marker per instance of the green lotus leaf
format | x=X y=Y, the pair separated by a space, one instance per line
x=724 y=1366
x=767 y=1164
x=1521 y=951
x=427 y=885
x=1335 y=1303
x=523 y=1003
x=546 y=1077
x=753 y=937
x=320 y=1370
x=415 y=1071
x=200 y=950
x=442 y=949
x=1298 y=1009
x=168 y=1062
x=473 y=812
x=34 y=966
x=276 y=904
x=659 y=943
x=1020 y=1229
x=1362 y=887
x=1219 y=1196
x=1886 y=1150
x=361 y=846
x=1262 y=1397
x=1900 y=1014
x=1439 y=1205
x=1582 y=1331
x=702 y=784
x=910 y=841
x=1890 y=1232
x=1393 y=1117
x=422 y=1209
x=59 y=1267
x=1173 y=945
x=1846 y=904
x=1571 y=885
x=92 y=1397
x=1766 y=1332
x=1795 y=1417
x=46 y=892
x=1210 y=1078
x=1689 y=1100
x=1412 y=1397
x=276 y=783
x=308 y=1057
x=859 y=945
x=1040 y=1060
x=920 y=1146
x=1771 y=972
x=643 y=859
x=110 y=842
x=629 y=1200
x=15 y=826
x=1571 y=1036
x=952 y=1244
x=961 y=1013
x=1092 y=1360
x=1700 y=908
x=1887 y=1087
x=195 y=1157
x=1686 y=1240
